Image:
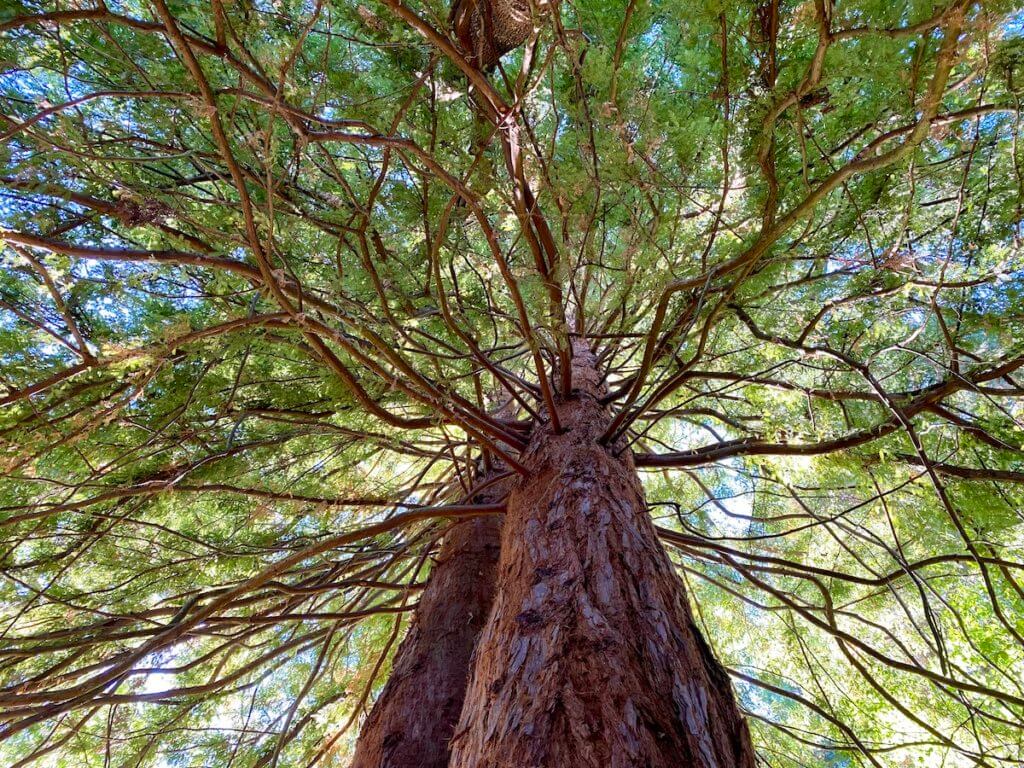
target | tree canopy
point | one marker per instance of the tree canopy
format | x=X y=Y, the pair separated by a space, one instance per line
x=278 y=273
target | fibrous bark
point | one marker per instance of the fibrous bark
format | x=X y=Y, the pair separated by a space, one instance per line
x=413 y=719
x=488 y=29
x=590 y=656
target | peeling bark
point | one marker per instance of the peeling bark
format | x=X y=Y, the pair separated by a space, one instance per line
x=590 y=656
x=413 y=720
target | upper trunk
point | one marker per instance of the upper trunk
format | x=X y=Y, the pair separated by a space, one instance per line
x=488 y=29
x=590 y=656
x=413 y=720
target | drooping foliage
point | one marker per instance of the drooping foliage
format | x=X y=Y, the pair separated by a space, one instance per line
x=264 y=284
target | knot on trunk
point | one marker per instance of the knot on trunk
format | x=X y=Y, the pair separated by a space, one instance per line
x=488 y=29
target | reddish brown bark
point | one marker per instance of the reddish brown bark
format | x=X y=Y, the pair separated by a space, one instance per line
x=590 y=656
x=413 y=720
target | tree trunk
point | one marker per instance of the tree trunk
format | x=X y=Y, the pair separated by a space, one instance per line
x=590 y=656
x=412 y=722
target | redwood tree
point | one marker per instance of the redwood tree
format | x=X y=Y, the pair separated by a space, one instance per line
x=413 y=720
x=590 y=656
x=748 y=276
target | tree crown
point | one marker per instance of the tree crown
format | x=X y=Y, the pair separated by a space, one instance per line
x=278 y=276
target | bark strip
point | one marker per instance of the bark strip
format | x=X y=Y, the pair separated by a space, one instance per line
x=590 y=657
x=412 y=722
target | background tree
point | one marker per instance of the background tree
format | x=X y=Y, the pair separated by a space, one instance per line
x=250 y=340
